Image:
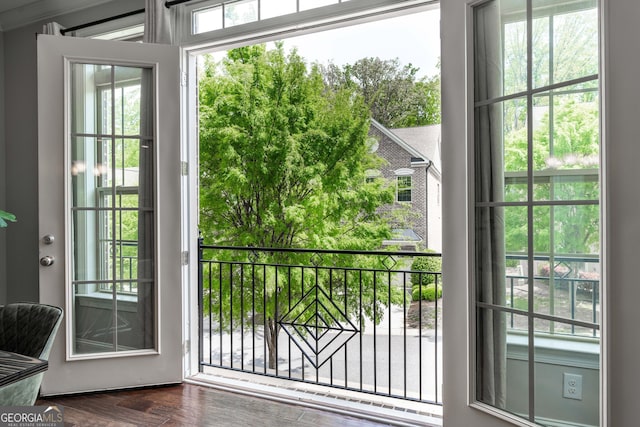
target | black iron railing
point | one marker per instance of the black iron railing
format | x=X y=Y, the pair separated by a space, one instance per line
x=353 y=320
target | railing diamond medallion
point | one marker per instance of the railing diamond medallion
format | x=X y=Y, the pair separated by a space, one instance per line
x=317 y=326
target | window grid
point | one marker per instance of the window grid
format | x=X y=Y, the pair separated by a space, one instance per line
x=533 y=176
x=231 y=13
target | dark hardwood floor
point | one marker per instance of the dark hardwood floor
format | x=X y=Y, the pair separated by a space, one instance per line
x=190 y=405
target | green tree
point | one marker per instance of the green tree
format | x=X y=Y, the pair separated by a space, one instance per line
x=282 y=161
x=394 y=94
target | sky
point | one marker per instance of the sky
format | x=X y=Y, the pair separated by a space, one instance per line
x=413 y=39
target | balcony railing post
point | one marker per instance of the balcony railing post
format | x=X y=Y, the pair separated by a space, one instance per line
x=200 y=304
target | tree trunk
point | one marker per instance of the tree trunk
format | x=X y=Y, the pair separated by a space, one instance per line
x=271 y=335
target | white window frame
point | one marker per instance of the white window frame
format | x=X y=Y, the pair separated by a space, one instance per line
x=591 y=349
x=404 y=188
x=351 y=11
x=302 y=22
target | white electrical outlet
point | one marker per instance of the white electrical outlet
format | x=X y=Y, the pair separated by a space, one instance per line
x=572 y=386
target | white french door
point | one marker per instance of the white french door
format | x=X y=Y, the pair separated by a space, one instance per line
x=109 y=211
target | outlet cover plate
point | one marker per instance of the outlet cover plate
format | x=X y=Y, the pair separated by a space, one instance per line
x=572 y=386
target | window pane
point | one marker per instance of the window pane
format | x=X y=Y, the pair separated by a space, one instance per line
x=515 y=146
x=272 y=8
x=127 y=101
x=90 y=103
x=90 y=169
x=541 y=51
x=567 y=268
x=490 y=255
x=127 y=162
x=93 y=327
x=566 y=141
x=515 y=57
x=565 y=42
x=500 y=151
x=501 y=362
x=207 y=20
x=517 y=372
x=499 y=72
x=240 y=12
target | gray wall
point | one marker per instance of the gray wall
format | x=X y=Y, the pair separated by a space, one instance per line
x=3 y=180
x=20 y=146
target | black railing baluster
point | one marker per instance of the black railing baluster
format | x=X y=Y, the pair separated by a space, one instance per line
x=289 y=298
x=231 y=349
x=375 y=334
x=241 y=316
x=389 y=336
x=420 y=336
x=201 y=306
x=361 y=321
x=346 y=352
x=220 y=299
x=331 y=298
x=404 y=330
x=317 y=343
x=594 y=299
x=275 y=316
x=265 y=326
x=210 y=312
x=435 y=332
x=253 y=317
x=302 y=293
x=573 y=304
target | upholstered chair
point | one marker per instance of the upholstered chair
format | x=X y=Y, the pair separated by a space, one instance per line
x=28 y=329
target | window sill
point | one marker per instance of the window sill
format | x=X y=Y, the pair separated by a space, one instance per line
x=556 y=350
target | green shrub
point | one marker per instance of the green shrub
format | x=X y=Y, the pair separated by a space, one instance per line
x=429 y=264
x=428 y=292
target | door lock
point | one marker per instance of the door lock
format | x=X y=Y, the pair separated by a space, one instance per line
x=47 y=261
x=48 y=239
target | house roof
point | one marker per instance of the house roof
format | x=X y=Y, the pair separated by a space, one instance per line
x=423 y=139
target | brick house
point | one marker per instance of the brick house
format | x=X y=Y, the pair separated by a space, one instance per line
x=413 y=162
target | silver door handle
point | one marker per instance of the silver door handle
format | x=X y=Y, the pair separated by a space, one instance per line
x=46 y=261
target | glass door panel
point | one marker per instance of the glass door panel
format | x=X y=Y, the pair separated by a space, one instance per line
x=113 y=209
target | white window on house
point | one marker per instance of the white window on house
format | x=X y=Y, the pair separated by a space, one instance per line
x=403 y=191
x=536 y=245
x=371 y=175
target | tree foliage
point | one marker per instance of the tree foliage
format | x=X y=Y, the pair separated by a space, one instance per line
x=283 y=158
x=394 y=94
